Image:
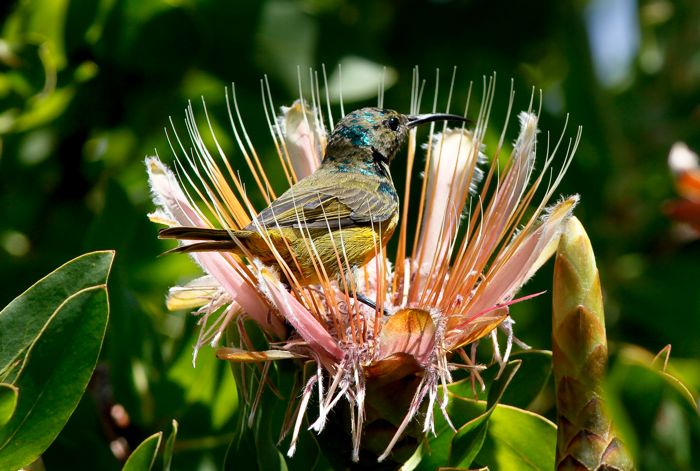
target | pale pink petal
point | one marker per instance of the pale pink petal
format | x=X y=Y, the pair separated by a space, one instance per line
x=174 y=205
x=308 y=327
x=506 y=278
x=219 y=265
x=509 y=192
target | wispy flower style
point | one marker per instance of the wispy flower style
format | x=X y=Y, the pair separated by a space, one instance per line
x=484 y=228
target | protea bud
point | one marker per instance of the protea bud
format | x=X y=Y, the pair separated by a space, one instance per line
x=586 y=439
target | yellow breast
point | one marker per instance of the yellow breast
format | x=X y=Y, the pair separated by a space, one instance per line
x=337 y=251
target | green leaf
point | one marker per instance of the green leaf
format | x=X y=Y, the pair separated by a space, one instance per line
x=44 y=109
x=532 y=376
x=54 y=375
x=169 y=444
x=45 y=19
x=524 y=387
x=436 y=452
x=144 y=455
x=655 y=413
x=204 y=385
x=27 y=316
x=470 y=416
x=8 y=402
x=518 y=439
x=469 y=438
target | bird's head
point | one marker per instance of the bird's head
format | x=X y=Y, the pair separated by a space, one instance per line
x=379 y=132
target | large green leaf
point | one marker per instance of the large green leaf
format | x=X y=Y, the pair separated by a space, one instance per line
x=436 y=451
x=532 y=376
x=27 y=316
x=470 y=417
x=469 y=438
x=54 y=373
x=144 y=455
x=517 y=440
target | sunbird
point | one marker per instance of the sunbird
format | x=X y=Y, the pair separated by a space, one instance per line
x=340 y=213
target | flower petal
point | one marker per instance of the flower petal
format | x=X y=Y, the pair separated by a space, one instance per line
x=220 y=266
x=681 y=158
x=504 y=279
x=685 y=211
x=194 y=294
x=510 y=276
x=392 y=368
x=684 y=164
x=304 y=137
x=308 y=327
x=238 y=355
x=508 y=195
x=409 y=331
x=452 y=175
x=175 y=206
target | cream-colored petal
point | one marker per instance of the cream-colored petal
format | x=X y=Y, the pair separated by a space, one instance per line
x=304 y=137
x=238 y=355
x=452 y=174
x=194 y=294
x=173 y=205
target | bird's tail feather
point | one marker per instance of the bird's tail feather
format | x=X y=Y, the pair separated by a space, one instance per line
x=195 y=233
x=213 y=240
x=222 y=246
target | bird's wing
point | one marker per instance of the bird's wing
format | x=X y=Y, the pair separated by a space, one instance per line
x=330 y=207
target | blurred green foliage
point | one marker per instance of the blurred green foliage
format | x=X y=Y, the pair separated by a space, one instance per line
x=87 y=86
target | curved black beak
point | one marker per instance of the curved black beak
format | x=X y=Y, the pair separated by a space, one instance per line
x=415 y=120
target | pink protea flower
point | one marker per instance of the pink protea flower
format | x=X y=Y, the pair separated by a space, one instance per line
x=480 y=236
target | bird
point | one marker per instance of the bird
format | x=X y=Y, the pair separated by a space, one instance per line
x=335 y=217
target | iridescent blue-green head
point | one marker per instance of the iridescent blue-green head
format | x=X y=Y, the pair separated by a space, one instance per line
x=375 y=133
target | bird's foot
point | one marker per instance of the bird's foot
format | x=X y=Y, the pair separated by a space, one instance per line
x=371 y=304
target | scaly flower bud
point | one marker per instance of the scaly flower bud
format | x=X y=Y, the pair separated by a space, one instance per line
x=586 y=439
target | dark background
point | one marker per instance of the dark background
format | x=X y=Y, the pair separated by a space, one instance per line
x=87 y=87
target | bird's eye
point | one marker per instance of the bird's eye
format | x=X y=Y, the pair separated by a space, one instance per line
x=393 y=123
